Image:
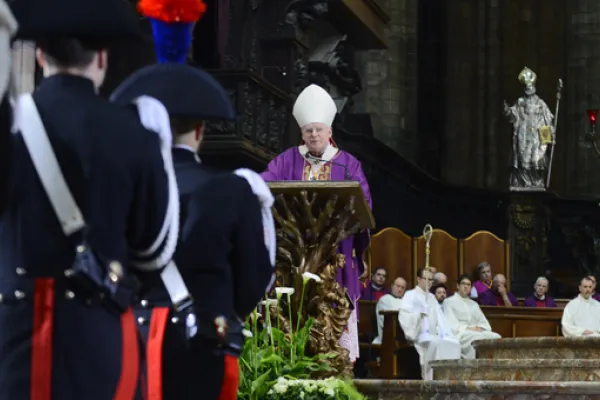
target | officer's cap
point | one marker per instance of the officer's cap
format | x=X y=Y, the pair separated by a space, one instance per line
x=186 y=91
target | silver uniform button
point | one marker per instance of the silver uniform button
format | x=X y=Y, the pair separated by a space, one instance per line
x=144 y=303
x=19 y=295
x=69 y=294
x=141 y=320
x=174 y=320
x=21 y=271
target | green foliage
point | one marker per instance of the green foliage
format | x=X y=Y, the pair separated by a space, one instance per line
x=275 y=363
x=270 y=355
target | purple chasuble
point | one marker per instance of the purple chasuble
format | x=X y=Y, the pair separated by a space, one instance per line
x=481 y=287
x=532 y=300
x=292 y=166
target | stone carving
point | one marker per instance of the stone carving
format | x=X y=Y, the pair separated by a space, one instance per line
x=534 y=128
x=530 y=224
x=262 y=112
x=309 y=230
x=300 y=13
x=330 y=66
x=300 y=75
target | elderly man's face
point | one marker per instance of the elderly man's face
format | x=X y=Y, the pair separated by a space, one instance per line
x=499 y=282
x=316 y=137
x=440 y=294
x=399 y=287
x=541 y=287
x=441 y=278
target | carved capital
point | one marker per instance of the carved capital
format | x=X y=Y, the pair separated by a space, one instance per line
x=300 y=13
x=330 y=66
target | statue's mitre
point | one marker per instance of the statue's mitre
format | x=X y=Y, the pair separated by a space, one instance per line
x=527 y=77
x=314 y=105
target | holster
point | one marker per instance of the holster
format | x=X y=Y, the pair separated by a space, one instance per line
x=91 y=277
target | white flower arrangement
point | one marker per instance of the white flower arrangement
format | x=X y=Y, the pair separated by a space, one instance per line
x=326 y=387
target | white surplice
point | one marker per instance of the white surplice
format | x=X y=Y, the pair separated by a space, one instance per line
x=580 y=315
x=463 y=313
x=387 y=302
x=429 y=333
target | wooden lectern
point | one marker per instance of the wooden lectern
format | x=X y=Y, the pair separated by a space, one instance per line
x=312 y=218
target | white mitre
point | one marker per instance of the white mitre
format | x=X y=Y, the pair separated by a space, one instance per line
x=314 y=105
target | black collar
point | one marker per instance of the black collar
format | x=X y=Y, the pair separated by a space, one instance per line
x=68 y=82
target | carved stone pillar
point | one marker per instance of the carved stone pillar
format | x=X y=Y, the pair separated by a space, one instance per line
x=529 y=224
x=23 y=54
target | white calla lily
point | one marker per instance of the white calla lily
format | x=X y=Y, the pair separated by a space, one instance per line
x=247 y=333
x=307 y=276
x=285 y=290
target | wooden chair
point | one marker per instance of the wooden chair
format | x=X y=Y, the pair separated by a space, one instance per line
x=485 y=246
x=392 y=249
x=398 y=358
x=444 y=256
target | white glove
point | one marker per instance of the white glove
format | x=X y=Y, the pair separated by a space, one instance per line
x=8 y=27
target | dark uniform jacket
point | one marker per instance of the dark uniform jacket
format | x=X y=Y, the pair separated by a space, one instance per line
x=55 y=344
x=224 y=261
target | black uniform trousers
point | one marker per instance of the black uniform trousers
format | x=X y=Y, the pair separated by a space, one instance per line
x=60 y=324
x=178 y=368
x=57 y=344
x=222 y=257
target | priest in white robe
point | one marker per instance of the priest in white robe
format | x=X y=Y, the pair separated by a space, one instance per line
x=424 y=324
x=581 y=316
x=466 y=319
x=389 y=302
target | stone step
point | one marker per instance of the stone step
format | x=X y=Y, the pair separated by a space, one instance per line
x=479 y=390
x=517 y=370
x=547 y=348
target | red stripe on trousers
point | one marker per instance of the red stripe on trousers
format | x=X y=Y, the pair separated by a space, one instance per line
x=130 y=358
x=41 y=340
x=154 y=348
x=231 y=378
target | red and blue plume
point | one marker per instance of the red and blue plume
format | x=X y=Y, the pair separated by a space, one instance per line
x=172 y=23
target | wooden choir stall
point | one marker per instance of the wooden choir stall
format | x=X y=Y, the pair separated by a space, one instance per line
x=402 y=255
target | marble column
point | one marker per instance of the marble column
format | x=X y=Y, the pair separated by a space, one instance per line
x=23 y=54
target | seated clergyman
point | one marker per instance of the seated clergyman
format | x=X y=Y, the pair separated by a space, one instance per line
x=540 y=298
x=498 y=295
x=466 y=318
x=581 y=316
x=424 y=324
x=388 y=302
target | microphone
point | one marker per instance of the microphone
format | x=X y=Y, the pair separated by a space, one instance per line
x=309 y=156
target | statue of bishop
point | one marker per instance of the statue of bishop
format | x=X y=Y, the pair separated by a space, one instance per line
x=533 y=131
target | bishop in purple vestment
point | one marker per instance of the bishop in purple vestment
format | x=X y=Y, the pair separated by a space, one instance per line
x=318 y=158
x=539 y=298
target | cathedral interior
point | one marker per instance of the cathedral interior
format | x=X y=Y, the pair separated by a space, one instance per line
x=420 y=87
x=423 y=90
